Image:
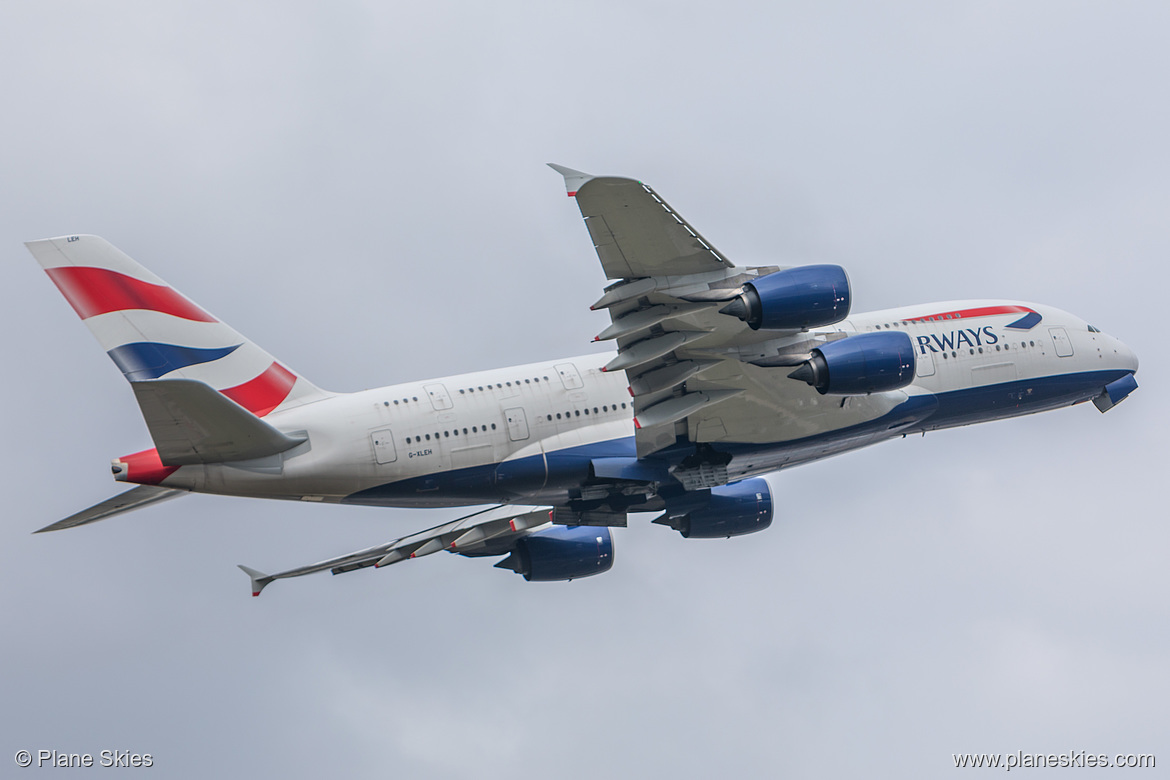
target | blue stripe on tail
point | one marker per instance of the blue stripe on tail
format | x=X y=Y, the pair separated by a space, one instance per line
x=149 y=360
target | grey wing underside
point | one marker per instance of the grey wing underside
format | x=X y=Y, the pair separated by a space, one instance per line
x=696 y=374
x=636 y=234
x=489 y=532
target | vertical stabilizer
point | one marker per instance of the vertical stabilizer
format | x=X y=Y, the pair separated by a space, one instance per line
x=151 y=331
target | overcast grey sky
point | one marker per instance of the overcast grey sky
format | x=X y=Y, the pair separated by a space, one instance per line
x=360 y=187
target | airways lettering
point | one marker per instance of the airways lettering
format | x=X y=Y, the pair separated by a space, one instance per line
x=971 y=337
x=947 y=341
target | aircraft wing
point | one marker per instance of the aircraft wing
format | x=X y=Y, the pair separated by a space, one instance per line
x=694 y=372
x=489 y=532
x=635 y=232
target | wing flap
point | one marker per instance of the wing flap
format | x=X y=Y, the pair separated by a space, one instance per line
x=192 y=423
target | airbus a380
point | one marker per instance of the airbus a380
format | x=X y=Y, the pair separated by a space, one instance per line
x=721 y=374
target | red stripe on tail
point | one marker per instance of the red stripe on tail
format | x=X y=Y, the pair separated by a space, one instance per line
x=146 y=468
x=264 y=393
x=94 y=291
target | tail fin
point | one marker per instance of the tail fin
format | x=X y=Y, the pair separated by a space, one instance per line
x=150 y=330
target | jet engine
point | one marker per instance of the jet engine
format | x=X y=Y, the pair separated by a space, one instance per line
x=808 y=296
x=562 y=553
x=860 y=365
x=725 y=511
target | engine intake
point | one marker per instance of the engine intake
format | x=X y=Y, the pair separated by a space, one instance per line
x=561 y=553
x=808 y=296
x=725 y=511
x=859 y=365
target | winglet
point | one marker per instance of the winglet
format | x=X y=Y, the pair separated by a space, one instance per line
x=259 y=579
x=573 y=179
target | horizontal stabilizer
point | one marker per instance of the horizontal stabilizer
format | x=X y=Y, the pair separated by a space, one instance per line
x=192 y=423
x=141 y=496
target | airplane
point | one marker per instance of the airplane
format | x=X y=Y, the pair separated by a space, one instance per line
x=721 y=374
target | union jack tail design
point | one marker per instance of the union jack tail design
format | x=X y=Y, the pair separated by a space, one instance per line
x=151 y=331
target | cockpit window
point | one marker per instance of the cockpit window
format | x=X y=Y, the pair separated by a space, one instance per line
x=1093 y=330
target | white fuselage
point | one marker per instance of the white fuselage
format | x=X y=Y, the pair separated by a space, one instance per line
x=527 y=434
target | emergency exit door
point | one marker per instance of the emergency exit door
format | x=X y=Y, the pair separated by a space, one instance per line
x=517 y=424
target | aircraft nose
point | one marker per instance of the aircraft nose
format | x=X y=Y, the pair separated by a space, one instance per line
x=1127 y=357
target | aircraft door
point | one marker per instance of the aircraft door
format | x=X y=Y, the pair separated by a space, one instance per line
x=384 y=450
x=570 y=376
x=924 y=362
x=440 y=399
x=517 y=424
x=1060 y=342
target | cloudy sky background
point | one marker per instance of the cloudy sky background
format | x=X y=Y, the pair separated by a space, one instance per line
x=361 y=189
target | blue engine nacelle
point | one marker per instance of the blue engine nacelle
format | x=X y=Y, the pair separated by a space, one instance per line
x=562 y=553
x=808 y=296
x=860 y=365
x=728 y=510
